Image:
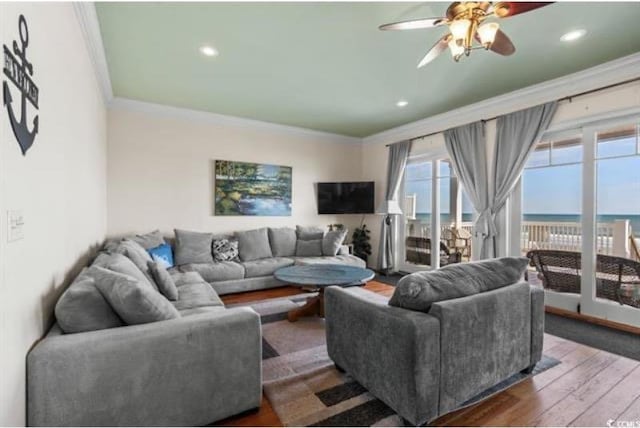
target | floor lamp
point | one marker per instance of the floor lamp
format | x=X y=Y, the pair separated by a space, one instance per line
x=388 y=209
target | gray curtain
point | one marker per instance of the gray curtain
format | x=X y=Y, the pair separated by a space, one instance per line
x=396 y=163
x=467 y=149
x=516 y=137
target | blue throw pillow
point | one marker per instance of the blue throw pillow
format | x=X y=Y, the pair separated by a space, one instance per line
x=162 y=254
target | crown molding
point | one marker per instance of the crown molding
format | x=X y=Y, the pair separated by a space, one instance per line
x=90 y=28
x=600 y=76
x=166 y=111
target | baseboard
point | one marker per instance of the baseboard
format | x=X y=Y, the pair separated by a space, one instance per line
x=593 y=320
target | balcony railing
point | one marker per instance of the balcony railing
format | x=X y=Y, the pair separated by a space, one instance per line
x=614 y=238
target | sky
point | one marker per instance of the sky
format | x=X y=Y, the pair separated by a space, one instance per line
x=555 y=189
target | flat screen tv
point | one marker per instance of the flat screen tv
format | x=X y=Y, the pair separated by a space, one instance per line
x=346 y=198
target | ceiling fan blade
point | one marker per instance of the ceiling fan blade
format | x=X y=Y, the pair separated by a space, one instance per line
x=437 y=49
x=502 y=44
x=414 y=24
x=505 y=9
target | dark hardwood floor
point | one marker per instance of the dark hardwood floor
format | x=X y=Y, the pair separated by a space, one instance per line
x=589 y=388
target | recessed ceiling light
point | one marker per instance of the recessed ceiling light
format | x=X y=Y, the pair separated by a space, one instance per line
x=402 y=103
x=573 y=35
x=208 y=51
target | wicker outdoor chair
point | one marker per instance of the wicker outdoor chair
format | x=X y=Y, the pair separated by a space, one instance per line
x=418 y=251
x=617 y=278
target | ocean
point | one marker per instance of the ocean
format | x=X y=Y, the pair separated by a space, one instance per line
x=634 y=220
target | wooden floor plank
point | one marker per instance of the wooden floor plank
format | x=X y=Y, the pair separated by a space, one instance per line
x=577 y=356
x=579 y=401
x=632 y=415
x=264 y=417
x=582 y=390
x=561 y=349
x=557 y=390
x=613 y=403
x=550 y=341
x=253 y=296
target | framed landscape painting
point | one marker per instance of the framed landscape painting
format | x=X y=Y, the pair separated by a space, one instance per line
x=243 y=188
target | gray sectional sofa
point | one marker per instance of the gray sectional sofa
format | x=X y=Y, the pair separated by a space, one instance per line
x=105 y=363
x=281 y=247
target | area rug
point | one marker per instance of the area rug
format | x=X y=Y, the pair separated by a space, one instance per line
x=304 y=387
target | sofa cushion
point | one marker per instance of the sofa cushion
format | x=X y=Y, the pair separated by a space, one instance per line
x=196 y=295
x=265 y=267
x=181 y=278
x=420 y=290
x=149 y=240
x=83 y=308
x=225 y=250
x=192 y=247
x=162 y=254
x=219 y=271
x=346 y=259
x=309 y=233
x=253 y=244
x=133 y=301
x=201 y=310
x=120 y=263
x=283 y=241
x=163 y=280
x=312 y=248
x=138 y=255
x=332 y=240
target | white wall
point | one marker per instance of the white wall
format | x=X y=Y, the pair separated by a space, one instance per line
x=374 y=154
x=161 y=170
x=60 y=186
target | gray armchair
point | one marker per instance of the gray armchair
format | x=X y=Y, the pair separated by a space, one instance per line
x=424 y=365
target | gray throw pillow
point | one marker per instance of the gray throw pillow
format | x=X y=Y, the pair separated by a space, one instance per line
x=111 y=245
x=192 y=247
x=83 y=308
x=138 y=255
x=420 y=290
x=311 y=248
x=332 y=241
x=253 y=244
x=225 y=250
x=165 y=282
x=149 y=240
x=120 y=263
x=134 y=302
x=283 y=241
x=309 y=233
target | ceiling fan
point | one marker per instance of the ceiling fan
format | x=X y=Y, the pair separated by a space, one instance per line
x=466 y=26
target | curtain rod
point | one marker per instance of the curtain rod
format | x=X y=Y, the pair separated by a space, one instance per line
x=567 y=98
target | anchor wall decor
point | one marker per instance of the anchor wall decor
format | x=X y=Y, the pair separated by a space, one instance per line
x=19 y=73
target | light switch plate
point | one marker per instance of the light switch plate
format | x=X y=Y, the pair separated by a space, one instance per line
x=16 y=226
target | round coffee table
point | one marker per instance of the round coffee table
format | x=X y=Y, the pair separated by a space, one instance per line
x=320 y=276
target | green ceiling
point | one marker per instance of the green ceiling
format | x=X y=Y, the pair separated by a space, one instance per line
x=326 y=66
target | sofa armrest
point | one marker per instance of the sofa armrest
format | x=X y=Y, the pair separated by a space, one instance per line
x=344 y=250
x=186 y=371
x=537 y=323
x=393 y=352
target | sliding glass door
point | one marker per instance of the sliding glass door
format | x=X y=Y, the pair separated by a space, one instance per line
x=580 y=194
x=435 y=210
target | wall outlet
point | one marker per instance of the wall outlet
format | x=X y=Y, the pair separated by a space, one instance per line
x=16 y=226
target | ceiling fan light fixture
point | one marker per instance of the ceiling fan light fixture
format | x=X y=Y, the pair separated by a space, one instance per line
x=573 y=35
x=207 y=50
x=460 y=29
x=456 y=49
x=487 y=33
